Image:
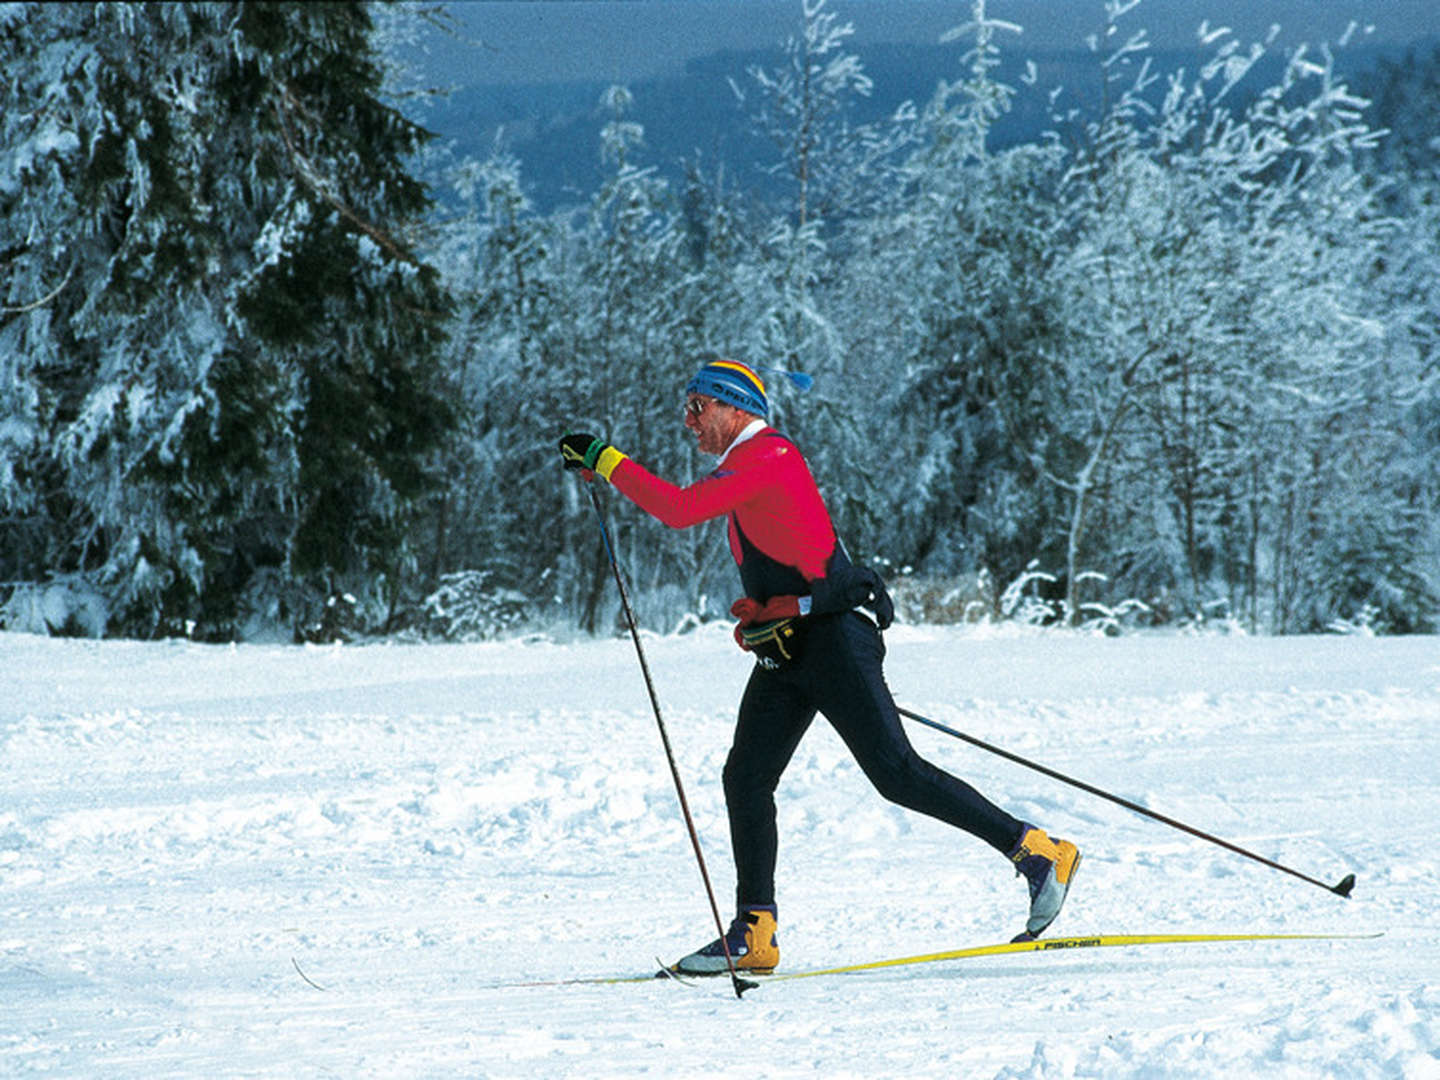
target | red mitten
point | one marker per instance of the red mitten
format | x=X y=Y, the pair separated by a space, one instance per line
x=749 y=611
x=745 y=610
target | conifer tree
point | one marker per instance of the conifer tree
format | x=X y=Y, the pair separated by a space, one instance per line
x=217 y=336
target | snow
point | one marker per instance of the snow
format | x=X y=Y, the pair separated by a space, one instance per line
x=186 y=829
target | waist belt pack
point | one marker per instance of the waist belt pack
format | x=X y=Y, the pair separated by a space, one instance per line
x=774 y=644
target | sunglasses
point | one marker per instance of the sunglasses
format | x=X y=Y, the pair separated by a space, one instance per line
x=696 y=406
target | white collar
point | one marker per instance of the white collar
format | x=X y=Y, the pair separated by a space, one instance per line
x=751 y=430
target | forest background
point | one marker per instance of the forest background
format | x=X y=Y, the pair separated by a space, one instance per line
x=274 y=362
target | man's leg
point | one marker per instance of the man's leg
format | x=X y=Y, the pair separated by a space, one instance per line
x=774 y=715
x=843 y=672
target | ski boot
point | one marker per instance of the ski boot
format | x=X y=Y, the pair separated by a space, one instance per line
x=751 y=939
x=1048 y=867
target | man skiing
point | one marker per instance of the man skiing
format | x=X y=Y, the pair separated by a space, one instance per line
x=816 y=652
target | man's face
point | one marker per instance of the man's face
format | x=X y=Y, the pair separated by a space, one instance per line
x=712 y=422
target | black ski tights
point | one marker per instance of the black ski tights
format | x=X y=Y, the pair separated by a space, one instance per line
x=840 y=676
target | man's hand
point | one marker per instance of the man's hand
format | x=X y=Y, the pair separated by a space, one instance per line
x=581 y=450
x=881 y=604
x=750 y=611
x=590 y=454
x=855 y=586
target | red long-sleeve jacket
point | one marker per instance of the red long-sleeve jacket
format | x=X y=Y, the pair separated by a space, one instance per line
x=780 y=532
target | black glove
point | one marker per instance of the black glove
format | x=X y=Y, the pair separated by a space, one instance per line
x=848 y=587
x=590 y=454
x=579 y=450
x=880 y=603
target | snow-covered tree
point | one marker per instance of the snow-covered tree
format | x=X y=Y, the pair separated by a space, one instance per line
x=1151 y=352
x=804 y=106
x=1215 y=298
x=948 y=303
x=215 y=333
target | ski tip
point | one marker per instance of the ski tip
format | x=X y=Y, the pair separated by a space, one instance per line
x=1346 y=884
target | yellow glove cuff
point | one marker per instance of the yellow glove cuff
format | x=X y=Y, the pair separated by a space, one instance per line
x=606 y=462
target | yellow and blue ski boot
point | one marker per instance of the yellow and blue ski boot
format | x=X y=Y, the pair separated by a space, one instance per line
x=751 y=940
x=1048 y=867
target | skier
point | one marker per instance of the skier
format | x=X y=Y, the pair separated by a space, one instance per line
x=816 y=651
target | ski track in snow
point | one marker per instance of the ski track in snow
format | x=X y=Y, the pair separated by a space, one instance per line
x=338 y=861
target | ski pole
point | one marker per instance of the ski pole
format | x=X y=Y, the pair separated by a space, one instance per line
x=741 y=985
x=1341 y=888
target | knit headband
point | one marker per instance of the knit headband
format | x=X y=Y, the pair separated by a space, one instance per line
x=733 y=383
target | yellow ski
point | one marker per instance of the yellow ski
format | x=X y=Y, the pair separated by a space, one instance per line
x=1062 y=944
x=1098 y=941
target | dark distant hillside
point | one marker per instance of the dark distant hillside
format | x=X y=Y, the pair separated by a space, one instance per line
x=554 y=128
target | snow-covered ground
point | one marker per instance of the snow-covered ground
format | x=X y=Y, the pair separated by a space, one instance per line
x=186 y=829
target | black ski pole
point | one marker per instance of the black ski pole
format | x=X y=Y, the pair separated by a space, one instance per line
x=1341 y=888
x=741 y=985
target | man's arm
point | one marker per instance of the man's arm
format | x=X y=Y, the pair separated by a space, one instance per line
x=677 y=507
